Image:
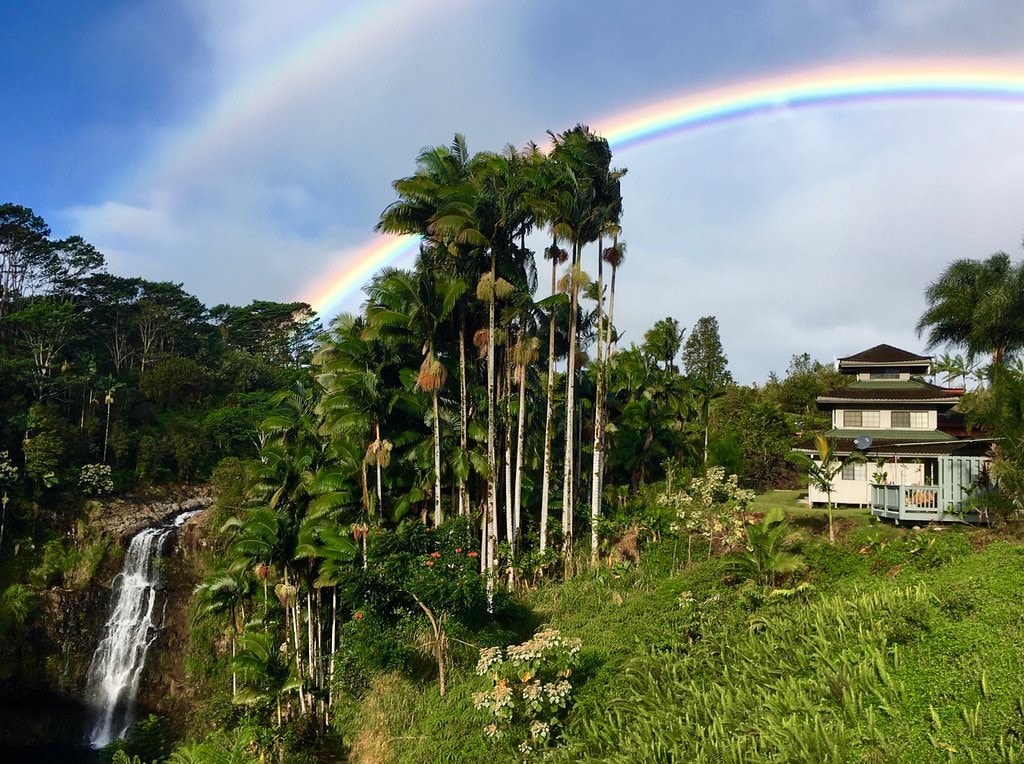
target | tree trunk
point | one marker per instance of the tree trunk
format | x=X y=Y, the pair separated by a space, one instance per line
x=521 y=417
x=438 y=515
x=509 y=510
x=595 y=470
x=380 y=492
x=463 y=408
x=334 y=649
x=545 y=487
x=492 y=497
x=568 y=499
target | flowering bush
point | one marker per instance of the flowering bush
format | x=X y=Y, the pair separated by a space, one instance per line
x=95 y=479
x=714 y=507
x=8 y=472
x=531 y=689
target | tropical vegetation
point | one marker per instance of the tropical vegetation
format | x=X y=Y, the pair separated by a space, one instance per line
x=467 y=508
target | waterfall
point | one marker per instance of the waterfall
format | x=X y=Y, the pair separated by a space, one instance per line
x=121 y=654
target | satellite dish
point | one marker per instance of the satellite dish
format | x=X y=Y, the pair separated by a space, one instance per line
x=863 y=443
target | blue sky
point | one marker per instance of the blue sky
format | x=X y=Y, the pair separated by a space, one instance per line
x=811 y=230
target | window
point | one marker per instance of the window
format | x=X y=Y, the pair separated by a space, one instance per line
x=917 y=420
x=884 y=374
x=856 y=471
x=861 y=418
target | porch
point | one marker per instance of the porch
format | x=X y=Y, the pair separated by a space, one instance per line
x=944 y=502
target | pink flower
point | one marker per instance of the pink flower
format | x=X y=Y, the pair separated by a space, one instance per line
x=458 y=550
x=430 y=562
x=473 y=554
x=358 y=615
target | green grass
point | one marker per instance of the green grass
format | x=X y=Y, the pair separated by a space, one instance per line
x=907 y=647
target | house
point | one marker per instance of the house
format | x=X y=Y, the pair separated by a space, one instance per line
x=919 y=462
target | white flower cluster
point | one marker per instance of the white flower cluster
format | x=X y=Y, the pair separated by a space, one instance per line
x=8 y=472
x=95 y=479
x=489 y=656
x=558 y=692
x=543 y=643
x=539 y=730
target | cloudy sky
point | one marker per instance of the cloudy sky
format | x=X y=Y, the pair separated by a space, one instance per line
x=246 y=148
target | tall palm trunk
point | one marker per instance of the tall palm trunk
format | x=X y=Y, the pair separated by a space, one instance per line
x=608 y=333
x=438 y=514
x=595 y=471
x=380 y=492
x=509 y=520
x=463 y=408
x=334 y=651
x=521 y=418
x=568 y=499
x=492 y=496
x=545 y=486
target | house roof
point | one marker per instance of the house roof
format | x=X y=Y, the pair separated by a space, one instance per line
x=914 y=391
x=885 y=355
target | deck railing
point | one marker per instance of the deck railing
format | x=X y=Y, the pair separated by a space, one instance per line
x=907 y=502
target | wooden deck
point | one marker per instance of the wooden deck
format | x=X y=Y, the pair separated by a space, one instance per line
x=917 y=504
x=942 y=503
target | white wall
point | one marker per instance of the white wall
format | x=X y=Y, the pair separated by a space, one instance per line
x=859 y=491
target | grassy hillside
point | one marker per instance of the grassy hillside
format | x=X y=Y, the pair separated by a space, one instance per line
x=893 y=646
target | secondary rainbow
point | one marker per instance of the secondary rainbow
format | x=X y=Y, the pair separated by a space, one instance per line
x=948 y=80
x=339 y=40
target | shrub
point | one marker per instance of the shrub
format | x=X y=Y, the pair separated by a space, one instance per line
x=95 y=479
x=531 y=690
x=713 y=507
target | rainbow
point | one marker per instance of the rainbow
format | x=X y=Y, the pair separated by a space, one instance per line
x=342 y=39
x=877 y=81
x=355 y=267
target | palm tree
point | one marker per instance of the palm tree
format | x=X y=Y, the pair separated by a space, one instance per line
x=414 y=305
x=614 y=256
x=590 y=200
x=977 y=305
x=822 y=468
x=490 y=216
x=557 y=256
x=357 y=398
x=225 y=592
x=443 y=174
x=524 y=353
x=265 y=676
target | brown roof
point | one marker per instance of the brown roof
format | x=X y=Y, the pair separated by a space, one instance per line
x=885 y=354
x=918 y=391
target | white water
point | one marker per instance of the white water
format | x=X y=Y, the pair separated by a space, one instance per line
x=121 y=654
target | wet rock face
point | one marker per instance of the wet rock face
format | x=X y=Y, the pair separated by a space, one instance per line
x=123 y=518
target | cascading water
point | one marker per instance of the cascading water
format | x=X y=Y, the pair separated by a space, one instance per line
x=121 y=654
